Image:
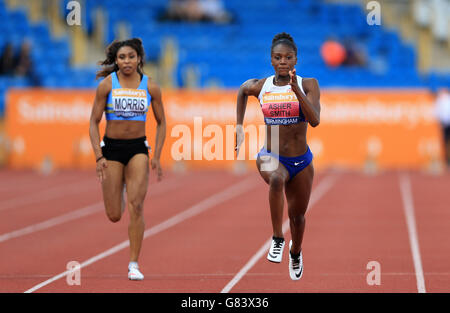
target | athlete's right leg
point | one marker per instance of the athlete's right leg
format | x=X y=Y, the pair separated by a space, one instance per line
x=112 y=187
x=276 y=180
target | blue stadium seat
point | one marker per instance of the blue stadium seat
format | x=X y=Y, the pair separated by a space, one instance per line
x=227 y=53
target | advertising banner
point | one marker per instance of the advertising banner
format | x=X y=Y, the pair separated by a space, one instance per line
x=359 y=128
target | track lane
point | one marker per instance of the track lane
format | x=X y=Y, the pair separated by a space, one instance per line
x=79 y=240
x=183 y=258
x=431 y=197
x=49 y=213
x=358 y=221
x=44 y=209
x=21 y=184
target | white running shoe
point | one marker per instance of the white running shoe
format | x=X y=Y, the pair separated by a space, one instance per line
x=134 y=273
x=276 y=250
x=295 y=265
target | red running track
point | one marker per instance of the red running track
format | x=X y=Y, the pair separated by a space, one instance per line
x=208 y=231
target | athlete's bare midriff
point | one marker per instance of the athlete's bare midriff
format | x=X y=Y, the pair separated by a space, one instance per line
x=292 y=139
x=125 y=129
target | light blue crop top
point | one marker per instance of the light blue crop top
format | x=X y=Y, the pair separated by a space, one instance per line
x=127 y=104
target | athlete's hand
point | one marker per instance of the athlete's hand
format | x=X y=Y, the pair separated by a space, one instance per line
x=102 y=164
x=239 y=138
x=293 y=82
x=157 y=166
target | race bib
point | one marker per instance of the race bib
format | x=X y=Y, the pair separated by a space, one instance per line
x=280 y=108
x=129 y=102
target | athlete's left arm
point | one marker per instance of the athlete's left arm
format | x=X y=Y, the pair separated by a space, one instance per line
x=310 y=103
x=158 y=112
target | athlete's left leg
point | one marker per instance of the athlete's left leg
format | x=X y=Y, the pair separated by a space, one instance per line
x=298 y=191
x=136 y=178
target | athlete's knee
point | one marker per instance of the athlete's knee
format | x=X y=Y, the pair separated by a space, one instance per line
x=135 y=207
x=276 y=181
x=296 y=218
x=114 y=217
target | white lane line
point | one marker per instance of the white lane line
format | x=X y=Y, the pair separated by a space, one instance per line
x=90 y=209
x=85 y=211
x=212 y=201
x=317 y=193
x=408 y=208
x=59 y=191
x=10 y=182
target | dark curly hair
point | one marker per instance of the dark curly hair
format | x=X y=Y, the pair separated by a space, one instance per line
x=109 y=64
x=285 y=39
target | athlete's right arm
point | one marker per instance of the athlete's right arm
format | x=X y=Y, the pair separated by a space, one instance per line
x=96 y=116
x=251 y=87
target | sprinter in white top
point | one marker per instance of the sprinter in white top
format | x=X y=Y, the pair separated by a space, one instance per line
x=290 y=103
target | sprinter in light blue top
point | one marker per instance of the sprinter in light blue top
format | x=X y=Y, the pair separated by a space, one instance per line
x=127 y=104
x=124 y=97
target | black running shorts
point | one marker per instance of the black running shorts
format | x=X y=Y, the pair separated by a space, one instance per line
x=122 y=150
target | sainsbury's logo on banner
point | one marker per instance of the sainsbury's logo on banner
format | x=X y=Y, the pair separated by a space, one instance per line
x=279 y=97
x=50 y=111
